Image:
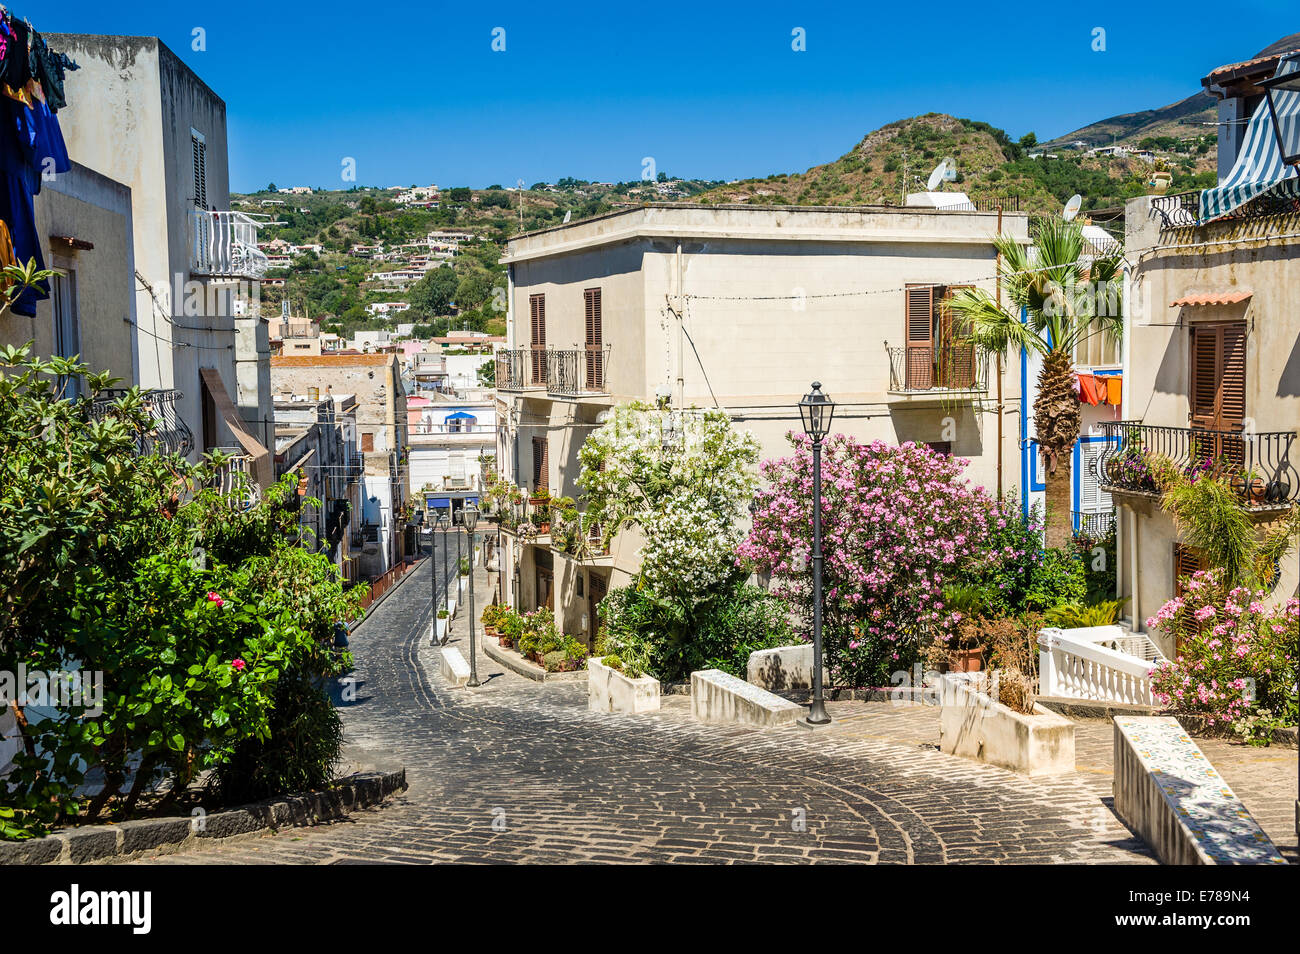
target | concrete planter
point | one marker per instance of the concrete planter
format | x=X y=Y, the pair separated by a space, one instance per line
x=608 y=690
x=785 y=670
x=973 y=726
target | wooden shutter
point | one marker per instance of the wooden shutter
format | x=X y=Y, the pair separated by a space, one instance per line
x=595 y=341
x=956 y=354
x=1187 y=560
x=1217 y=391
x=537 y=336
x=367 y=441
x=200 y=171
x=1217 y=382
x=541 y=464
x=919 y=327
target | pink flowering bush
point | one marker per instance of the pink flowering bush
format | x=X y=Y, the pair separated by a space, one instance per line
x=897 y=522
x=1235 y=661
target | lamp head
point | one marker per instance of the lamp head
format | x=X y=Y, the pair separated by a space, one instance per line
x=816 y=409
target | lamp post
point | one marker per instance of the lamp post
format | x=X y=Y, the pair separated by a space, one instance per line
x=469 y=517
x=440 y=524
x=817 y=409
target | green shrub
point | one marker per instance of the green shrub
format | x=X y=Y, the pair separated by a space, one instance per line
x=613 y=661
x=1076 y=615
x=554 y=661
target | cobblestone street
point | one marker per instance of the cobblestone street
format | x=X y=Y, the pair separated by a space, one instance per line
x=520 y=771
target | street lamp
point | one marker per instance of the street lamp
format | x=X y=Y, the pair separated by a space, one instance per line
x=1283 y=92
x=469 y=517
x=440 y=524
x=817 y=409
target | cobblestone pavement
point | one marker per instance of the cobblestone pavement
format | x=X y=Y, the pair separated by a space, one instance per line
x=520 y=771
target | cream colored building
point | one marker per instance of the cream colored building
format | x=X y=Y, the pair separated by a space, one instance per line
x=1212 y=368
x=138 y=115
x=740 y=307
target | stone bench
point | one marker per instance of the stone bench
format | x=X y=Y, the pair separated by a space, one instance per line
x=1169 y=793
x=453 y=666
x=717 y=696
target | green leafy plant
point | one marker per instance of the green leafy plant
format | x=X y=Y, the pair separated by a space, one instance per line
x=1077 y=615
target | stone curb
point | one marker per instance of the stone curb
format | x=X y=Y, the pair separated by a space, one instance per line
x=103 y=843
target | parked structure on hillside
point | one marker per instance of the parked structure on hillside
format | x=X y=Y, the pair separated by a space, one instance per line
x=740 y=307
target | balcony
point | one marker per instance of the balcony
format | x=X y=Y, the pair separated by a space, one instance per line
x=515 y=370
x=168 y=435
x=1093 y=524
x=942 y=369
x=224 y=245
x=1257 y=465
x=1183 y=210
x=234 y=477
x=577 y=372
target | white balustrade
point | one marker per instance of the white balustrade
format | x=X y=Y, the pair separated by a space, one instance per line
x=1098 y=663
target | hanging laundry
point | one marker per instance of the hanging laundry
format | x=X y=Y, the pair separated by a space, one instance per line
x=49 y=68
x=1088 y=390
x=1114 y=389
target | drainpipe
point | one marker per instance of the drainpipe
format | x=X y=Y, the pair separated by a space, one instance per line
x=1133 y=571
x=998 y=280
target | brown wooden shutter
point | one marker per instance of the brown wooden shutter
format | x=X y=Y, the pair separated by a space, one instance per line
x=956 y=355
x=541 y=464
x=1217 y=382
x=919 y=327
x=537 y=336
x=1187 y=560
x=367 y=441
x=595 y=341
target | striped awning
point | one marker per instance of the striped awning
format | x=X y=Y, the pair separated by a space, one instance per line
x=1259 y=167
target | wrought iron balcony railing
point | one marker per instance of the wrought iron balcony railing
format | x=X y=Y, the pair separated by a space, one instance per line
x=572 y=372
x=1257 y=465
x=1184 y=208
x=956 y=367
x=168 y=435
x=514 y=370
x=234 y=477
x=224 y=245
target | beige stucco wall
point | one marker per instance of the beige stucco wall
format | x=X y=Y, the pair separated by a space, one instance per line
x=131 y=108
x=1254 y=256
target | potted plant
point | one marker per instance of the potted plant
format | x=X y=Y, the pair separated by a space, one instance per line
x=966 y=645
x=464 y=566
x=511 y=625
x=491 y=618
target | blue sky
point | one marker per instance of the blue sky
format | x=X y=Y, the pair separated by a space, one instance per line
x=415 y=94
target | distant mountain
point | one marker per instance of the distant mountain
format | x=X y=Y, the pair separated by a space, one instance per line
x=1184 y=119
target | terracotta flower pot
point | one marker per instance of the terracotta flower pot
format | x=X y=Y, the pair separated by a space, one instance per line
x=968 y=660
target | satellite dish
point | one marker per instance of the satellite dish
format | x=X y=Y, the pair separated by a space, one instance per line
x=1072 y=207
x=568 y=215
x=937 y=176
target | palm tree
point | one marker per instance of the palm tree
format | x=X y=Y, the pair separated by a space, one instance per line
x=1066 y=295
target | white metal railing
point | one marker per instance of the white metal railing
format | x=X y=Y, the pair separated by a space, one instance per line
x=235 y=476
x=1099 y=663
x=225 y=245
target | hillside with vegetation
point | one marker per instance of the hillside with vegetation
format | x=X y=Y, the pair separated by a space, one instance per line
x=335 y=286
x=897 y=159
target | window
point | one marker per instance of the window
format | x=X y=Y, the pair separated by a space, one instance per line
x=595 y=341
x=541 y=464
x=936 y=352
x=537 y=337
x=1217 y=382
x=67 y=330
x=1100 y=349
x=200 y=149
x=1092 y=499
x=367 y=442
x=1187 y=560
